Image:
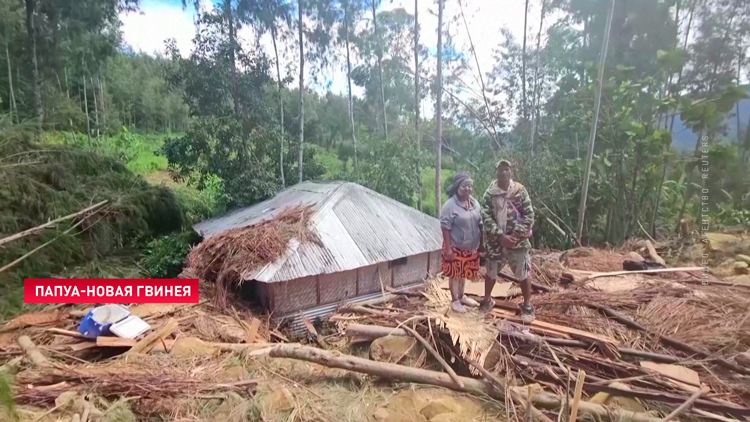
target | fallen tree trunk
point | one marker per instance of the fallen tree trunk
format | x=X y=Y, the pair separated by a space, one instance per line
x=422 y=376
x=371 y=332
x=381 y=369
x=656 y=271
x=32 y=352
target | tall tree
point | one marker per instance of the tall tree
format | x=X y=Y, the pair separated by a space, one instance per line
x=300 y=30
x=352 y=9
x=232 y=31
x=270 y=16
x=379 y=54
x=36 y=82
x=535 y=109
x=417 y=131
x=439 y=110
x=524 y=104
x=594 y=121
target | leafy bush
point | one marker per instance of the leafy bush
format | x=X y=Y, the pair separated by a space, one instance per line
x=165 y=256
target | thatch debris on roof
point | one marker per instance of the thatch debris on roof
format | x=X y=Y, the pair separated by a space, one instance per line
x=224 y=258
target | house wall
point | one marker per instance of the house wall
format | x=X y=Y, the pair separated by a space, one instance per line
x=295 y=295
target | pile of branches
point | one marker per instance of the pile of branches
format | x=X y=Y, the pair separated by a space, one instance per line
x=595 y=342
x=227 y=256
x=149 y=378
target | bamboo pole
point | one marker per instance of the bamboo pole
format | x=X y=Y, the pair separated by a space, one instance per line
x=592 y=134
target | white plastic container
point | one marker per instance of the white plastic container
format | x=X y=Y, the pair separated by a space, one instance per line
x=130 y=327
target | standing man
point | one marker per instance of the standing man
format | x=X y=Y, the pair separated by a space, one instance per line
x=507 y=217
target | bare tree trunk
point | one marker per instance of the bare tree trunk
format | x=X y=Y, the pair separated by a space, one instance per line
x=379 y=53
x=537 y=90
x=301 y=90
x=524 y=111
x=67 y=88
x=31 y=34
x=349 y=86
x=101 y=97
x=281 y=108
x=233 y=46
x=417 y=100
x=665 y=167
x=96 y=107
x=592 y=135
x=13 y=106
x=86 y=105
x=439 y=110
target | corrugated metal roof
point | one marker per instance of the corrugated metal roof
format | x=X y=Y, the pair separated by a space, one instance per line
x=357 y=227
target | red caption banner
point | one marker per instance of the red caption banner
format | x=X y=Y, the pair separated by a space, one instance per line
x=112 y=290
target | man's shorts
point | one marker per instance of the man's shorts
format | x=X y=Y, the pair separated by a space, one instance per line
x=518 y=259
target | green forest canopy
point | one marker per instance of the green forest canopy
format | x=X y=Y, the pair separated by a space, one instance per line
x=236 y=120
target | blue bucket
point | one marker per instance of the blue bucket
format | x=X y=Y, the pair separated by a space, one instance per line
x=98 y=320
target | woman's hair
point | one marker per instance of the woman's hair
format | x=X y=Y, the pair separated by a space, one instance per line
x=458 y=178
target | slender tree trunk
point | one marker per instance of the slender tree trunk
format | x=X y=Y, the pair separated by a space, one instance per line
x=96 y=107
x=594 y=122
x=665 y=167
x=233 y=46
x=493 y=132
x=13 y=106
x=524 y=107
x=37 y=86
x=537 y=90
x=101 y=97
x=86 y=106
x=301 y=90
x=379 y=53
x=439 y=110
x=67 y=87
x=416 y=102
x=281 y=108
x=740 y=150
x=349 y=87
x=689 y=185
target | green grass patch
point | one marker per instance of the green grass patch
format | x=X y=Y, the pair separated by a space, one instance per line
x=428 y=188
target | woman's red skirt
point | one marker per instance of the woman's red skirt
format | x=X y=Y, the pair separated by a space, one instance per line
x=465 y=264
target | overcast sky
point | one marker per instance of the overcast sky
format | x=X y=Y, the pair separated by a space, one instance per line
x=160 y=20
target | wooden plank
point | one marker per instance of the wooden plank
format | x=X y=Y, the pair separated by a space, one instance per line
x=103 y=341
x=560 y=329
x=252 y=331
x=658 y=270
x=148 y=342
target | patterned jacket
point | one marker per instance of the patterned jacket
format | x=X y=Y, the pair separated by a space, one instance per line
x=518 y=224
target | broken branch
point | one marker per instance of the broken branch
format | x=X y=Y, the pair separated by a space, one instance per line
x=437 y=356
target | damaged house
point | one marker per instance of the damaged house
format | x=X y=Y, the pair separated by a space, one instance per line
x=367 y=242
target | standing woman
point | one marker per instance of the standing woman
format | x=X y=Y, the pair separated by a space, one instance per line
x=461 y=223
